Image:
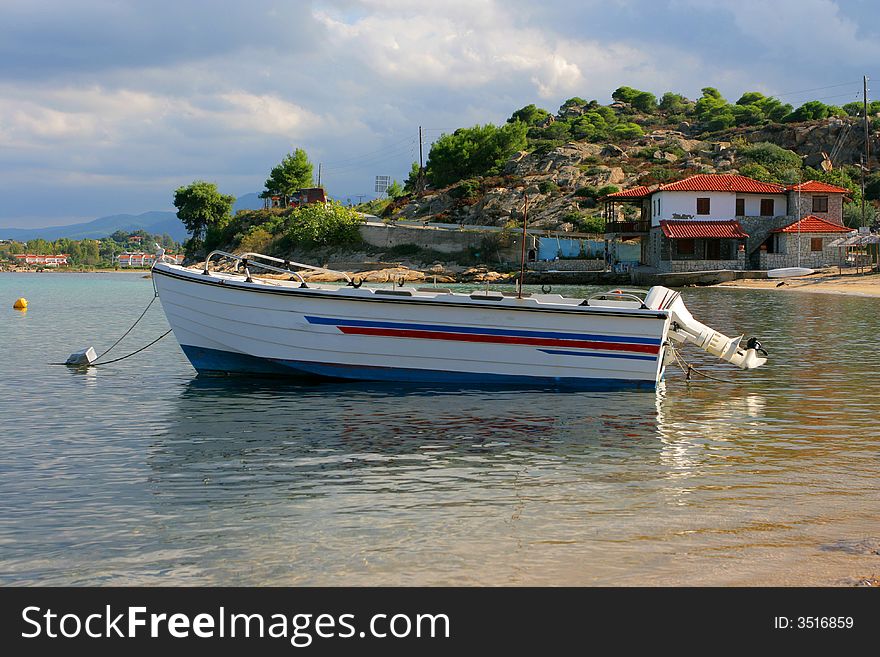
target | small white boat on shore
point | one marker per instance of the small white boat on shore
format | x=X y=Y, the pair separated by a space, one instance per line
x=788 y=272
x=230 y=322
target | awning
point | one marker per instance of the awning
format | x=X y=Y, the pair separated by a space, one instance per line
x=686 y=230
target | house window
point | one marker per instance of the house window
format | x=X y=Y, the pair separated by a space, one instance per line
x=713 y=249
x=767 y=207
x=816 y=243
x=740 y=207
x=702 y=206
x=820 y=204
x=685 y=247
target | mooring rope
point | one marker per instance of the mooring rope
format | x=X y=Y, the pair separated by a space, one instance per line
x=687 y=368
x=130 y=328
x=116 y=360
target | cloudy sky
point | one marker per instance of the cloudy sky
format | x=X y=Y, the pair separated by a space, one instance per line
x=107 y=106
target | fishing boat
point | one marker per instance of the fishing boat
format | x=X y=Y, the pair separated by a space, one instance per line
x=232 y=322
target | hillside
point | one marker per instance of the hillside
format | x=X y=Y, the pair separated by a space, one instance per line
x=569 y=160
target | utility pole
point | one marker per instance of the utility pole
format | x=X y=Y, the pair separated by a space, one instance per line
x=867 y=143
x=319 y=174
x=522 y=262
x=420 y=183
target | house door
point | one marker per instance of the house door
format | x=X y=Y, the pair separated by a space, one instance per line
x=713 y=249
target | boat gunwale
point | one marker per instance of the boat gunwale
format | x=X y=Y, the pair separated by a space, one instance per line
x=634 y=313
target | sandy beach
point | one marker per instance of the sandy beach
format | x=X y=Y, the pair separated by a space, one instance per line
x=826 y=282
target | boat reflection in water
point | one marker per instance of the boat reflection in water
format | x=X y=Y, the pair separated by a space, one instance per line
x=295 y=484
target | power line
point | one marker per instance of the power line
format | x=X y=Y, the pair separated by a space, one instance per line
x=376 y=159
x=369 y=153
x=805 y=91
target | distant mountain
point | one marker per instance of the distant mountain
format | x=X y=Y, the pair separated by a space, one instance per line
x=152 y=222
x=250 y=201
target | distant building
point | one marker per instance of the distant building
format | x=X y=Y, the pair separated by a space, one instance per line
x=135 y=238
x=140 y=259
x=299 y=198
x=44 y=260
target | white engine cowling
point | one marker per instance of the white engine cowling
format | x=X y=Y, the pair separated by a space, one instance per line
x=685 y=328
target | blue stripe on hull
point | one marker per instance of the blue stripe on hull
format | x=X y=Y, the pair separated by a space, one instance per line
x=214 y=361
x=446 y=328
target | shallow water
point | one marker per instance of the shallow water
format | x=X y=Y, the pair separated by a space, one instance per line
x=142 y=473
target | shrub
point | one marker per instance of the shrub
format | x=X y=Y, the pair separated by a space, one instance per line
x=322 y=225
x=775 y=160
x=606 y=190
x=626 y=131
x=587 y=191
x=467 y=189
x=547 y=187
x=585 y=223
x=256 y=239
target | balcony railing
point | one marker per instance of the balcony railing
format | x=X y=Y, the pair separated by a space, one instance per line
x=627 y=226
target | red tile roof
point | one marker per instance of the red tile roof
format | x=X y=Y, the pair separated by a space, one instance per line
x=635 y=192
x=714 y=229
x=817 y=186
x=705 y=182
x=813 y=224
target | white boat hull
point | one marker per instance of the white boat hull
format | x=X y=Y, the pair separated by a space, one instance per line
x=227 y=325
x=788 y=272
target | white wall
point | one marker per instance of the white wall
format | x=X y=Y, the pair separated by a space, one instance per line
x=722 y=205
x=753 y=204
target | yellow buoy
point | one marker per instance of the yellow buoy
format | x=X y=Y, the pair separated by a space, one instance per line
x=20 y=304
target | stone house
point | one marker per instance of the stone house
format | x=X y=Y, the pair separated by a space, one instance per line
x=712 y=221
x=803 y=243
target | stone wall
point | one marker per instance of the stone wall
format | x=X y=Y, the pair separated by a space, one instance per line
x=835 y=207
x=701 y=265
x=387 y=236
x=591 y=264
x=788 y=257
x=759 y=229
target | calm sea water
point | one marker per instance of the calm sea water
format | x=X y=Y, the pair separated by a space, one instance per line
x=142 y=473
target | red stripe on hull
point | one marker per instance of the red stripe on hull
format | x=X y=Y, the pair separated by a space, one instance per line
x=500 y=339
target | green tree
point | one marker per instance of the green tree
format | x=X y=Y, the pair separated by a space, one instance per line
x=574 y=107
x=477 y=151
x=411 y=184
x=293 y=173
x=852 y=215
x=813 y=110
x=395 y=190
x=643 y=101
x=673 y=103
x=531 y=115
x=199 y=206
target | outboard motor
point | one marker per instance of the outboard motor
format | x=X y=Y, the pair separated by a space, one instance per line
x=684 y=328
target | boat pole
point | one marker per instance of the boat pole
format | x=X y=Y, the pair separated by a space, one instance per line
x=522 y=260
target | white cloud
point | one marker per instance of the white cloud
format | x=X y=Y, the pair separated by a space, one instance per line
x=466 y=46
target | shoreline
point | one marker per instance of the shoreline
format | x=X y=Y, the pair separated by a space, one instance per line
x=865 y=285
x=126 y=270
